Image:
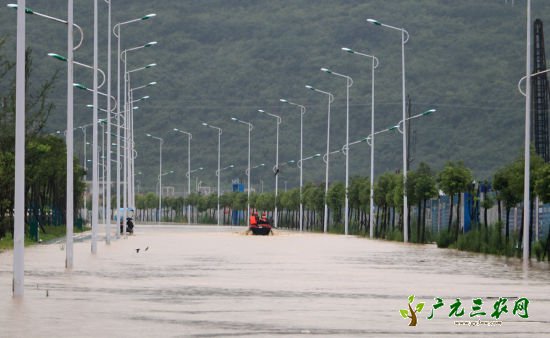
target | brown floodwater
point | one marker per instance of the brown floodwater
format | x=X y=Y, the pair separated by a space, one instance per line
x=208 y=281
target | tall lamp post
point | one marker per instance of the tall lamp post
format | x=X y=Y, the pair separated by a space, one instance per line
x=164 y=174
x=527 y=145
x=69 y=137
x=19 y=196
x=404 y=39
x=118 y=35
x=219 y=172
x=302 y=113
x=189 y=137
x=161 y=141
x=219 y=158
x=95 y=173
x=301 y=162
x=188 y=175
x=276 y=169
x=250 y=127
x=371 y=140
x=327 y=154
x=349 y=83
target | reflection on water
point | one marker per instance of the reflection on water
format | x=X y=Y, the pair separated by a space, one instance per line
x=212 y=281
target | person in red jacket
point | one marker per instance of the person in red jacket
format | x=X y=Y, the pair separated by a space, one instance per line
x=254 y=219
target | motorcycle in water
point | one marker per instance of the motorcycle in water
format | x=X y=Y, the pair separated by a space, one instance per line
x=129 y=226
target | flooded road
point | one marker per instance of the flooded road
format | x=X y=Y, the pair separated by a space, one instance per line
x=216 y=282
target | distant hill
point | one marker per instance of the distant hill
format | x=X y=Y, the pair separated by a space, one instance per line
x=223 y=58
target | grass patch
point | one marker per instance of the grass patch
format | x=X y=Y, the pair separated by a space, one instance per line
x=51 y=232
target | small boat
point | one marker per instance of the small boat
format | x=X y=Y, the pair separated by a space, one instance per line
x=261 y=229
x=260 y=226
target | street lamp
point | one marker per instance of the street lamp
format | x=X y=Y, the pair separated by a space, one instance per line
x=95 y=183
x=65 y=59
x=349 y=83
x=163 y=174
x=161 y=141
x=219 y=158
x=302 y=113
x=225 y=168
x=188 y=175
x=527 y=145
x=129 y=120
x=276 y=169
x=308 y=158
x=218 y=172
x=19 y=189
x=404 y=38
x=128 y=111
x=327 y=160
x=117 y=34
x=21 y=11
x=247 y=172
x=189 y=137
x=69 y=22
x=371 y=142
x=250 y=127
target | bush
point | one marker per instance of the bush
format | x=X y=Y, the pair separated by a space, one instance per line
x=538 y=249
x=395 y=235
x=445 y=239
x=337 y=228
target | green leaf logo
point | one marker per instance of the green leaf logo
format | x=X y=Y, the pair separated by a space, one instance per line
x=410 y=313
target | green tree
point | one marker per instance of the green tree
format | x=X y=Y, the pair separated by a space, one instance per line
x=425 y=188
x=454 y=179
x=335 y=200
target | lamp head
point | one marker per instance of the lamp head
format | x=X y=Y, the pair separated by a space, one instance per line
x=428 y=112
x=89 y=106
x=148 y=16
x=349 y=50
x=152 y=43
x=374 y=22
x=151 y=65
x=283 y=100
x=145 y=97
x=79 y=86
x=317 y=155
x=152 y=83
x=232 y=166
x=27 y=10
x=148 y=135
x=393 y=128
x=310 y=87
x=234 y=119
x=205 y=124
x=261 y=110
x=57 y=56
x=176 y=129
x=326 y=70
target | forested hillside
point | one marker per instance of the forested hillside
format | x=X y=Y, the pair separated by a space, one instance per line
x=218 y=58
